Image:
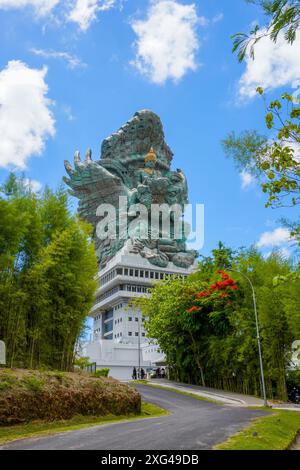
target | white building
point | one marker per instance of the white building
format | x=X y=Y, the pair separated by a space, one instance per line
x=119 y=340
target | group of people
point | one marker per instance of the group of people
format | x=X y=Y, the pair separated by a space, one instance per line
x=160 y=373
x=140 y=374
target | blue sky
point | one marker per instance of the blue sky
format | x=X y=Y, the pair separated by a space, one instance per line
x=81 y=68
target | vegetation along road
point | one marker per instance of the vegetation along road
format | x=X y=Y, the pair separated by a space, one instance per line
x=192 y=424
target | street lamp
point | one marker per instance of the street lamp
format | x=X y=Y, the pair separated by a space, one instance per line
x=139 y=348
x=257 y=335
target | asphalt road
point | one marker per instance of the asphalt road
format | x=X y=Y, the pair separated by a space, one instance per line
x=193 y=424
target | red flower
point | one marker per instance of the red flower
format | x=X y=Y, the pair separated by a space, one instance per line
x=192 y=309
x=205 y=293
x=222 y=296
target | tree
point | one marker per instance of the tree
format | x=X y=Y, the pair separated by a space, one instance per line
x=283 y=16
x=205 y=324
x=273 y=159
x=47 y=285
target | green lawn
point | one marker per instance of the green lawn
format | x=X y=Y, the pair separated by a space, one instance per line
x=274 y=432
x=38 y=428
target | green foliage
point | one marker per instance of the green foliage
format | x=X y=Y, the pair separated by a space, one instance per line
x=101 y=373
x=82 y=362
x=293 y=378
x=273 y=159
x=47 y=269
x=4 y=385
x=33 y=384
x=283 y=16
x=245 y=150
x=210 y=338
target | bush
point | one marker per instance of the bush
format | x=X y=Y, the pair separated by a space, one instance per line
x=101 y=373
x=293 y=379
x=36 y=395
x=33 y=384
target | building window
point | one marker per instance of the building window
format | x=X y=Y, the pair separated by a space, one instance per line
x=126 y=272
x=151 y=275
x=136 y=273
x=129 y=318
x=119 y=271
x=156 y=275
x=147 y=274
x=136 y=319
x=129 y=333
x=136 y=333
x=141 y=273
x=143 y=334
x=131 y=272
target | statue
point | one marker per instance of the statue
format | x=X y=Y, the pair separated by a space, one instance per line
x=135 y=163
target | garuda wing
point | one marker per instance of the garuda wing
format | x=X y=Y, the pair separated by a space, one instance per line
x=93 y=185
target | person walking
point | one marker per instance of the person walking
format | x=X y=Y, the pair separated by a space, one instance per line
x=134 y=374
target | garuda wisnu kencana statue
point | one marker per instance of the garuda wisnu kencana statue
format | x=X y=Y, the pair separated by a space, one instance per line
x=135 y=163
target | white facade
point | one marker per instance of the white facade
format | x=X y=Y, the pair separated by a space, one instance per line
x=119 y=336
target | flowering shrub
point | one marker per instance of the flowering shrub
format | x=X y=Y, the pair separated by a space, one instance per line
x=220 y=290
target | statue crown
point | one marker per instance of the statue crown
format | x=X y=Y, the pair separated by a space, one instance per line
x=151 y=156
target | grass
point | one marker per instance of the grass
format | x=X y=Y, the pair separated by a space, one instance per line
x=181 y=392
x=274 y=432
x=39 y=428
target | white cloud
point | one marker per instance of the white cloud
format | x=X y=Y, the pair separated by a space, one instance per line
x=277 y=237
x=275 y=65
x=246 y=179
x=167 y=41
x=296 y=147
x=34 y=185
x=84 y=12
x=284 y=252
x=25 y=116
x=67 y=110
x=217 y=18
x=72 y=60
x=41 y=7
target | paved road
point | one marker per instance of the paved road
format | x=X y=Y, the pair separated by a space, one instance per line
x=193 y=424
